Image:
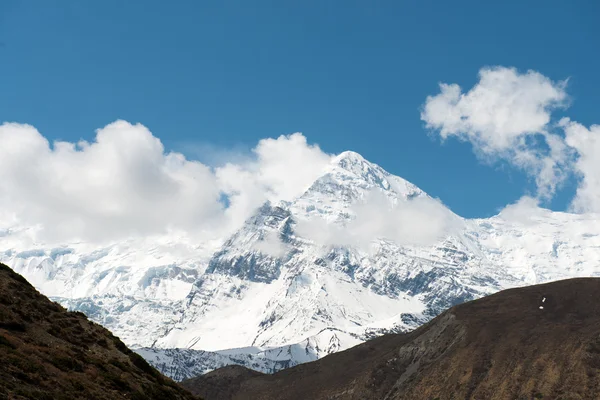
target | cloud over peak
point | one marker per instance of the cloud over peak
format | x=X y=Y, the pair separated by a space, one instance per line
x=125 y=183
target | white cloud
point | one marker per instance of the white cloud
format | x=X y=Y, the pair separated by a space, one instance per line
x=124 y=183
x=506 y=116
x=272 y=245
x=417 y=221
x=283 y=169
x=502 y=107
x=288 y=165
x=587 y=165
x=523 y=211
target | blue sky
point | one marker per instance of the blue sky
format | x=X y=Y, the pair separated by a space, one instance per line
x=350 y=75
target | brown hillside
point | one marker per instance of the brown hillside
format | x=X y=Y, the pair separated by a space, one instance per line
x=222 y=383
x=49 y=353
x=500 y=347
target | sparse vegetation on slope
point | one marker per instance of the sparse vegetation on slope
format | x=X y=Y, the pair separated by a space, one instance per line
x=47 y=352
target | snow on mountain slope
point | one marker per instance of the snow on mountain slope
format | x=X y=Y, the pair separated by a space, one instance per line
x=182 y=364
x=251 y=296
x=134 y=288
x=359 y=253
x=547 y=246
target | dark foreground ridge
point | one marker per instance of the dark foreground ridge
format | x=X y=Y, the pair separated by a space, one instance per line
x=537 y=342
x=47 y=352
x=222 y=383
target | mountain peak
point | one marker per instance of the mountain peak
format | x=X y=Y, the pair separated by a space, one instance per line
x=357 y=164
x=350 y=169
x=348 y=156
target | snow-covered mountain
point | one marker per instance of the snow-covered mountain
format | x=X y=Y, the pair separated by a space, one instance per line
x=359 y=253
x=181 y=364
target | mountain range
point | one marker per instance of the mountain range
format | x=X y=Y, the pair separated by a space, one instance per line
x=359 y=254
x=536 y=342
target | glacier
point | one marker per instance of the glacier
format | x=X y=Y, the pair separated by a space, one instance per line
x=360 y=253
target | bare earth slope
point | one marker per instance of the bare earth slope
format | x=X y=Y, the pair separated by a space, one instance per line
x=49 y=353
x=537 y=342
x=222 y=383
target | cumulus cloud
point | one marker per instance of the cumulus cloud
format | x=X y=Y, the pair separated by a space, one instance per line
x=502 y=107
x=506 y=117
x=283 y=169
x=419 y=220
x=125 y=183
x=586 y=141
x=122 y=183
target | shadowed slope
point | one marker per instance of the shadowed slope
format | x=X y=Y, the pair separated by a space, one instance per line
x=221 y=383
x=49 y=353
